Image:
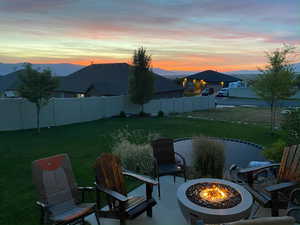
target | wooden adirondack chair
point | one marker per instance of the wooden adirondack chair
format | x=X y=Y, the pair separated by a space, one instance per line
x=110 y=180
x=270 y=185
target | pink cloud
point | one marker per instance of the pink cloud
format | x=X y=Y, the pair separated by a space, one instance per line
x=33 y=5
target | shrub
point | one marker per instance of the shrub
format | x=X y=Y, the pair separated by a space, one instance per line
x=160 y=113
x=208 y=157
x=138 y=136
x=143 y=114
x=291 y=127
x=122 y=114
x=134 y=150
x=137 y=158
x=274 y=153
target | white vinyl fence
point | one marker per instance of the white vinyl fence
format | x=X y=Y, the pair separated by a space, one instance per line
x=18 y=113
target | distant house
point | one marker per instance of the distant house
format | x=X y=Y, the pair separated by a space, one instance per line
x=209 y=78
x=9 y=83
x=110 y=80
x=95 y=80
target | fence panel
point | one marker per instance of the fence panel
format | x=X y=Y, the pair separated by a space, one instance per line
x=152 y=107
x=167 y=105
x=29 y=115
x=20 y=114
x=67 y=111
x=10 y=114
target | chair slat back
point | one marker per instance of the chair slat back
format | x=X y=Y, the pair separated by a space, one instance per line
x=109 y=173
x=290 y=164
x=163 y=150
x=54 y=179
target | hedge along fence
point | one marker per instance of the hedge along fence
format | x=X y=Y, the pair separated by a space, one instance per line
x=17 y=113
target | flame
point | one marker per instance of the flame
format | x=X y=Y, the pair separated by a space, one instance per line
x=214 y=194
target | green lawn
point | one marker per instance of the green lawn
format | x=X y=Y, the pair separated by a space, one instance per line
x=84 y=142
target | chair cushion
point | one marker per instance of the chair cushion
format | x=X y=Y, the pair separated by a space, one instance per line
x=168 y=169
x=69 y=212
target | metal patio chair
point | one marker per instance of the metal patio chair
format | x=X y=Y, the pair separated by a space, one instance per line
x=166 y=160
x=59 y=196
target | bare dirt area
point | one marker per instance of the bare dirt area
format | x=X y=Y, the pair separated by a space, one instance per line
x=253 y=115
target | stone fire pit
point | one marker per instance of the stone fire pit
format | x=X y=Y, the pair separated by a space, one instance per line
x=214 y=201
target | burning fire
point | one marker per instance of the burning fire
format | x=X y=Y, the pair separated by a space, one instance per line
x=214 y=194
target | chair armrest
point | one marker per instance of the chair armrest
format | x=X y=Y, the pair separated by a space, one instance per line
x=42 y=205
x=256 y=169
x=114 y=194
x=249 y=172
x=86 y=188
x=143 y=178
x=181 y=157
x=280 y=186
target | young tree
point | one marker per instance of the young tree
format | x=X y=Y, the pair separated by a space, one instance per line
x=277 y=81
x=141 y=81
x=37 y=87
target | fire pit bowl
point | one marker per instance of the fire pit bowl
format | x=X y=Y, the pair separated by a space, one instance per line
x=214 y=201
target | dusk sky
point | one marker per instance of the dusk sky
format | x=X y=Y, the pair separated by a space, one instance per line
x=180 y=34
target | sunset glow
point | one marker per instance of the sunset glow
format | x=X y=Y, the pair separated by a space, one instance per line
x=180 y=34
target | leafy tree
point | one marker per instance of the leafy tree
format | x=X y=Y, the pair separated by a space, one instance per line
x=141 y=81
x=277 y=81
x=37 y=87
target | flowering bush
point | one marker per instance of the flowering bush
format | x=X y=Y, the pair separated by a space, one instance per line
x=134 y=150
x=209 y=157
x=291 y=127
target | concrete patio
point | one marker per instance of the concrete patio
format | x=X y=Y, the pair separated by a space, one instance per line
x=166 y=211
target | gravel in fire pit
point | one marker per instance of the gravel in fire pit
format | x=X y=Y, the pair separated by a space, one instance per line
x=193 y=194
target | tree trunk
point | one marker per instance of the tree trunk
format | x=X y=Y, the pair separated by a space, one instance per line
x=271 y=121
x=273 y=116
x=38 y=110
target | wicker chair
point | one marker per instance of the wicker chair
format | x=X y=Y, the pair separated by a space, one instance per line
x=110 y=181
x=270 y=185
x=165 y=162
x=59 y=195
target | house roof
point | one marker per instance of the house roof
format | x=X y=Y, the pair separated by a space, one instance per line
x=109 y=79
x=10 y=81
x=213 y=76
